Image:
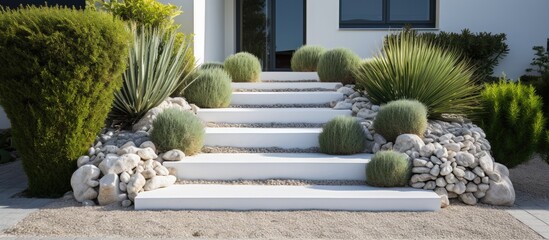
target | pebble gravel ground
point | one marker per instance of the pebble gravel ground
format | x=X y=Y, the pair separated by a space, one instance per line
x=325 y=105
x=265 y=125
x=286 y=90
x=277 y=182
x=258 y=150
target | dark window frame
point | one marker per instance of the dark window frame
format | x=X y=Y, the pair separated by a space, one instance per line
x=386 y=23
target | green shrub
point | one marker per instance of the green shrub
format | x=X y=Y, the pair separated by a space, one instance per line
x=415 y=68
x=189 y=61
x=148 y=13
x=176 y=129
x=388 y=169
x=401 y=117
x=58 y=72
x=211 y=89
x=243 y=67
x=306 y=58
x=152 y=74
x=483 y=50
x=338 y=65
x=210 y=65
x=342 y=136
x=540 y=81
x=513 y=121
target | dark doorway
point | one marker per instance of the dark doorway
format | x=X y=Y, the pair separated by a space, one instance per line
x=271 y=29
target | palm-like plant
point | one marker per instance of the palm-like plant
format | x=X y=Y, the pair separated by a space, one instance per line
x=153 y=73
x=416 y=68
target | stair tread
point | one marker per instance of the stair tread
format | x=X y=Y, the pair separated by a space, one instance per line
x=263 y=130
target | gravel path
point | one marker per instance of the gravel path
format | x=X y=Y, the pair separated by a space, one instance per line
x=306 y=80
x=265 y=125
x=68 y=219
x=325 y=105
x=531 y=178
x=289 y=182
x=287 y=90
x=257 y=150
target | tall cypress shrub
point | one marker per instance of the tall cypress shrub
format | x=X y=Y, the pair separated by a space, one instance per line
x=58 y=72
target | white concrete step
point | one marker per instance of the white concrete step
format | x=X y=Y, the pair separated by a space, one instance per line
x=270 y=115
x=289 y=76
x=286 y=85
x=262 y=137
x=272 y=98
x=250 y=166
x=262 y=197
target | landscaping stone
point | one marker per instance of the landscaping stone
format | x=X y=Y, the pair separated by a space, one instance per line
x=159 y=182
x=173 y=155
x=406 y=142
x=83 y=182
x=109 y=191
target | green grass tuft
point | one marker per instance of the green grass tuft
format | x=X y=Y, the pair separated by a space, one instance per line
x=416 y=68
x=342 y=136
x=210 y=65
x=388 y=169
x=401 y=117
x=176 y=129
x=243 y=67
x=306 y=58
x=338 y=65
x=211 y=89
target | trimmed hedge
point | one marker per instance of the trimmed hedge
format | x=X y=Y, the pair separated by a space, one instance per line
x=58 y=73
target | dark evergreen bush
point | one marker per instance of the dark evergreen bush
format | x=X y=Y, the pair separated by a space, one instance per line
x=58 y=71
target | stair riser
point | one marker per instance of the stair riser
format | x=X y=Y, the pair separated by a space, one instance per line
x=257 y=171
x=285 y=85
x=334 y=204
x=263 y=140
x=270 y=115
x=273 y=98
x=289 y=76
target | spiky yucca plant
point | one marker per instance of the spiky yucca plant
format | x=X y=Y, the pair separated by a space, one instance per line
x=153 y=73
x=513 y=121
x=416 y=68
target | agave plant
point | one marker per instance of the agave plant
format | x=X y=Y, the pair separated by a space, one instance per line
x=153 y=73
x=416 y=68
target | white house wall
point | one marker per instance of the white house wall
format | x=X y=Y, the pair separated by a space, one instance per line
x=525 y=22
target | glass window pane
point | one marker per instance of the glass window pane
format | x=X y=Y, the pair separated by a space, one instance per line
x=409 y=10
x=362 y=10
x=254 y=28
x=289 y=30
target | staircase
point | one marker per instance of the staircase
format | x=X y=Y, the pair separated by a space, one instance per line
x=282 y=98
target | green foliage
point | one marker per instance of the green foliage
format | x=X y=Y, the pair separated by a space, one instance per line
x=416 y=68
x=6 y=146
x=540 y=63
x=153 y=74
x=243 y=67
x=306 y=58
x=401 y=117
x=540 y=81
x=388 y=169
x=58 y=72
x=211 y=89
x=513 y=121
x=176 y=129
x=210 y=65
x=338 y=65
x=148 y=13
x=342 y=136
x=189 y=62
x=483 y=50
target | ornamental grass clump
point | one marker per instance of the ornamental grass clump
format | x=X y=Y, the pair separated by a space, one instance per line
x=513 y=121
x=211 y=89
x=342 y=136
x=401 y=117
x=58 y=73
x=416 y=68
x=243 y=67
x=153 y=73
x=306 y=58
x=176 y=129
x=210 y=65
x=338 y=65
x=388 y=169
